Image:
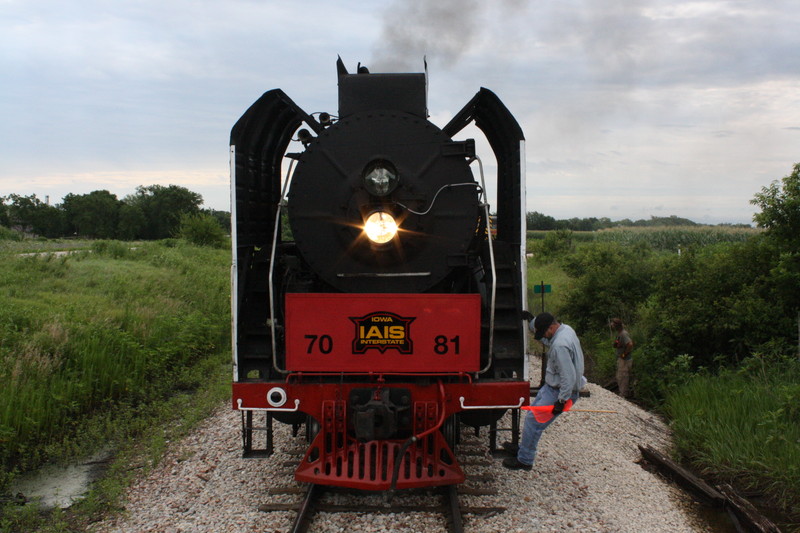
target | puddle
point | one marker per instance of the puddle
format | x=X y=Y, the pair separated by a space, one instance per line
x=60 y=486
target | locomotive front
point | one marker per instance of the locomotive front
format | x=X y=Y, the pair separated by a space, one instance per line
x=371 y=303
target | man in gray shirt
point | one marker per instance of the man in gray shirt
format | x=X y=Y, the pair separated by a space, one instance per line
x=563 y=381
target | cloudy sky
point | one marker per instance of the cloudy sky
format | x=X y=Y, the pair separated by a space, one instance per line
x=630 y=109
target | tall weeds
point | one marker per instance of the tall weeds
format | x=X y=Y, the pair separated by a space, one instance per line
x=744 y=427
x=90 y=332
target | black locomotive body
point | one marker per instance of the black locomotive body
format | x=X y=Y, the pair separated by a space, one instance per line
x=372 y=302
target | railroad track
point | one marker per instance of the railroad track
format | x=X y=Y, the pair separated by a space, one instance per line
x=311 y=500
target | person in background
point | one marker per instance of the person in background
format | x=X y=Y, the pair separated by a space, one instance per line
x=563 y=381
x=623 y=344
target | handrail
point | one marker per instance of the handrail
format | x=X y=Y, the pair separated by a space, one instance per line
x=282 y=409
x=281 y=203
x=493 y=268
x=521 y=401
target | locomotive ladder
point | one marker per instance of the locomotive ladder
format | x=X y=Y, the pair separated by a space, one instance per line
x=508 y=347
x=508 y=344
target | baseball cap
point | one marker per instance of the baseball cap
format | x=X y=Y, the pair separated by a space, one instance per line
x=540 y=324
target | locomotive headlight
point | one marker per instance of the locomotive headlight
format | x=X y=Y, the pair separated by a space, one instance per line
x=380 y=227
x=380 y=177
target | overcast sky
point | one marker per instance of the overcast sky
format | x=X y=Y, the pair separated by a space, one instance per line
x=630 y=109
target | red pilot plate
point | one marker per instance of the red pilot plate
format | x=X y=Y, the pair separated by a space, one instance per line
x=383 y=332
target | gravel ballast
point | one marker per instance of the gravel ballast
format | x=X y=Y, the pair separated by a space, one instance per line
x=586 y=478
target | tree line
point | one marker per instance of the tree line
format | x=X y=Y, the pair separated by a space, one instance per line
x=539 y=221
x=152 y=212
x=155 y=212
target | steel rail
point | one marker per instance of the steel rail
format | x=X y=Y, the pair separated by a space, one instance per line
x=305 y=514
x=453 y=519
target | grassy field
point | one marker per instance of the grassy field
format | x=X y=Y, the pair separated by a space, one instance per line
x=98 y=331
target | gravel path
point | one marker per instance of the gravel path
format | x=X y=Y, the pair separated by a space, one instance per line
x=586 y=478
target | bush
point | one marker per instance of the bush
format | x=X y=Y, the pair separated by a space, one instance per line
x=8 y=234
x=113 y=249
x=203 y=230
x=720 y=303
x=610 y=281
x=555 y=244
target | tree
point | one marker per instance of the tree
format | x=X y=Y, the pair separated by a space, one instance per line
x=780 y=208
x=32 y=215
x=163 y=207
x=609 y=280
x=537 y=221
x=4 y=213
x=780 y=215
x=671 y=220
x=131 y=224
x=223 y=218
x=92 y=215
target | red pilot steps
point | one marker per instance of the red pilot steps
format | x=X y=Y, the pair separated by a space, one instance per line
x=336 y=459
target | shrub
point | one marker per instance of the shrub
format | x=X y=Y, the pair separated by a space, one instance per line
x=555 y=244
x=112 y=249
x=610 y=281
x=720 y=303
x=8 y=234
x=202 y=229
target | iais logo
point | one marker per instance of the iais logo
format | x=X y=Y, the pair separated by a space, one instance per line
x=382 y=330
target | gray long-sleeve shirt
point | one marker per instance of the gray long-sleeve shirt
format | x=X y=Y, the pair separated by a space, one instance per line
x=564 y=362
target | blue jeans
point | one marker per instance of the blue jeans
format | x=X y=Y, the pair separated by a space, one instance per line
x=533 y=430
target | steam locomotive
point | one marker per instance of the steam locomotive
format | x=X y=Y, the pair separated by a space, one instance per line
x=374 y=303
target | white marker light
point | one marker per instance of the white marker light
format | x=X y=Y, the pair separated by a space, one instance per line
x=380 y=178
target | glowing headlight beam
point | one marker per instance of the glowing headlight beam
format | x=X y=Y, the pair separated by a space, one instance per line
x=380 y=227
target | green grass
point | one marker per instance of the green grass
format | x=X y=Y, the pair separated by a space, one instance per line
x=140 y=437
x=14 y=244
x=743 y=427
x=118 y=345
x=92 y=332
x=553 y=275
